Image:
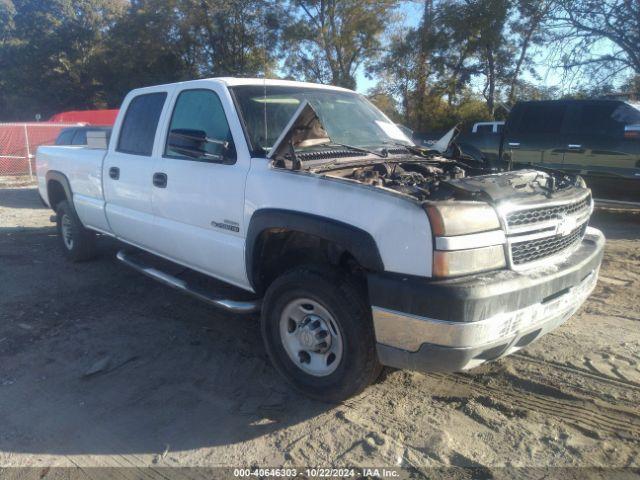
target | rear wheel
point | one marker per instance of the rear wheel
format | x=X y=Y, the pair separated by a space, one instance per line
x=78 y=243
x=317 y=329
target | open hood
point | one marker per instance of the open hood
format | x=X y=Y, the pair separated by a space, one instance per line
x=443 y=144
x=303 y=130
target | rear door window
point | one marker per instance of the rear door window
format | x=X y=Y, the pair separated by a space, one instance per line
x=539 y=118
x=610 y=119
x=592 y=119
x=138 y=129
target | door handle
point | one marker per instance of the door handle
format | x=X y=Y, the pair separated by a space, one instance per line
x=160 y=180
x=114 y=172
x=514 y=144
x=574 y=146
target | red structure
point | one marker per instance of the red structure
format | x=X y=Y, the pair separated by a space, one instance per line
x=92 y=117
x=19 y=142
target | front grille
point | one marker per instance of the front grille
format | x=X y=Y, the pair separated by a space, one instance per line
x=532 y=250
x=544 y=214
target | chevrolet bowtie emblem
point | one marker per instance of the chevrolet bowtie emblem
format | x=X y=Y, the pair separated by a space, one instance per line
x=565 y=226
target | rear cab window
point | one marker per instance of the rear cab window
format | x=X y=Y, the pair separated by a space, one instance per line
x=140 y=123
x=80 y=138
x=65 y=137
x=484 y=129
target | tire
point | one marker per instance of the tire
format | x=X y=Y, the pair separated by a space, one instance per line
x=298 y=307
x=78 y=244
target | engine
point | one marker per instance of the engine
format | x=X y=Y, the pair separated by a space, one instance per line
x=421 y=180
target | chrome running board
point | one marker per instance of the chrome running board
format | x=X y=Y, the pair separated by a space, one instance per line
x=233 y=306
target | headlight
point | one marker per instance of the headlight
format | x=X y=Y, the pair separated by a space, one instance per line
x=468 y=238
x=459 y=218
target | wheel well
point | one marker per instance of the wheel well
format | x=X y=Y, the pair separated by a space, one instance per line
x=279 y=250
x=56 y=193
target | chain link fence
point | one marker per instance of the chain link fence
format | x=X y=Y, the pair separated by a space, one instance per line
x=18 y=144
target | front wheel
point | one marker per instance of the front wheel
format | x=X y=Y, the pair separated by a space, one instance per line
x=78 y=243
x=318 y=332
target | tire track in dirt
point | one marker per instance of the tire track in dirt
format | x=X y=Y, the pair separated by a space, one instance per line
x=591 y=373
x=590 y=418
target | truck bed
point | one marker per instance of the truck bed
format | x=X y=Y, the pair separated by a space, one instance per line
x=82 y=167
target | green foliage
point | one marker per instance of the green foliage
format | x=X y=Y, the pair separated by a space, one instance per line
x=387 y=104
x=330 y=39
x=459 y=46
x=49 y=58
x=77 y=54
x=463 y=61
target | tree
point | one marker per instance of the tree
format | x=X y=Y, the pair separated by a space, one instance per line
x=48 y=53
x=386 y=103
x=67 y=54
x=330 y=40
x=7 y=25
x=431 y=67
x=601 y=37
x=528 y=27
x=478 y=33
x=241 y=37
x=150 y=45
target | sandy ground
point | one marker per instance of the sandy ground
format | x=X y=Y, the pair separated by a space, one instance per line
x=100 y=366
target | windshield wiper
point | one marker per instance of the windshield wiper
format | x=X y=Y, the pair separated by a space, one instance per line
x=383 y=154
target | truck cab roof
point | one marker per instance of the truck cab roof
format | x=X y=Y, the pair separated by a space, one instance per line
x=236 y=81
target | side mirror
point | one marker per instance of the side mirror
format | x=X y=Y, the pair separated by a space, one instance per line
x=192 y=143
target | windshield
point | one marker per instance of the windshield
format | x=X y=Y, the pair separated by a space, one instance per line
x=347 y=117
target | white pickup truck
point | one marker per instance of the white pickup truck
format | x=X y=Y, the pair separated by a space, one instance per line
x=306 y=203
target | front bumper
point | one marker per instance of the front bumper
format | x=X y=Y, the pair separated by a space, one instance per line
x=457 y=324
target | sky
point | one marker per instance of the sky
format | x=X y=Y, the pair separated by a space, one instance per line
x=549 y=76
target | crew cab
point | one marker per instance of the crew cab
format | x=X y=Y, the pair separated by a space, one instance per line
x=307 y=204
x=597 y=139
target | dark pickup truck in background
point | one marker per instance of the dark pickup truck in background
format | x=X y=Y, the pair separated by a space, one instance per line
x=598 y=139
x=78 y=135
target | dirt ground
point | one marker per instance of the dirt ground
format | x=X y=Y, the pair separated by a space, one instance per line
x=101 y=366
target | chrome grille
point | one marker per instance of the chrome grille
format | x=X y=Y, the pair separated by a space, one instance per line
x=537 y=232
x=533 y=250
x=544 y=214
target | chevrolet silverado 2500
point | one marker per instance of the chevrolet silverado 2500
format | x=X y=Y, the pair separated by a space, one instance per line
x=306 y=203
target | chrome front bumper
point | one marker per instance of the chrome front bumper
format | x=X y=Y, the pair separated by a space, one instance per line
x=410 y=340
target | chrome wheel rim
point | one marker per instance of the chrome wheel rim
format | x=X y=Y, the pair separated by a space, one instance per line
x=311 y=337
x=67 y=232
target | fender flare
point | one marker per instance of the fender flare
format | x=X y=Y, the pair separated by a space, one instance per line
x=355 y=240
x=62 y=179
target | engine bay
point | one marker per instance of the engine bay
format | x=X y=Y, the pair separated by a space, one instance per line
x=439 y=178
x=421 y=180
